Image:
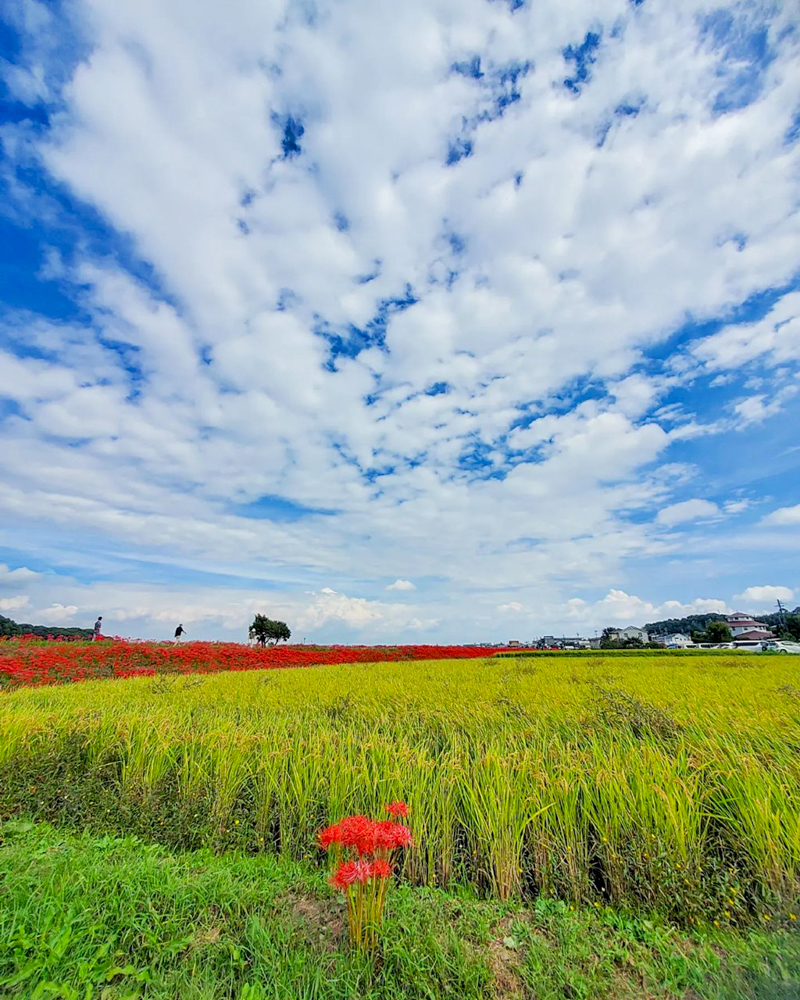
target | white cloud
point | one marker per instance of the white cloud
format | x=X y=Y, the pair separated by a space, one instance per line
x=359 y=614
x=618 y=607
x=687 y=510
x=14 y=603
x=736 y=506
x=635 y=395
x=784 y=515
x=765 y=595
x=401 y=585
x=319 y=615
x=15 y=577
x=754 y=409
x=56 y=614
x=327 y=615
x=777 y=337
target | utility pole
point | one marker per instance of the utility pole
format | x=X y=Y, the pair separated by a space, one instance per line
x=782 y=613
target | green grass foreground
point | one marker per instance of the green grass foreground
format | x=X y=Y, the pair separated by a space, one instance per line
x=99 y=918
x=663 y=783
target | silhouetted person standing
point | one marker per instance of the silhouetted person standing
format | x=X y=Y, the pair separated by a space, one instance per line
x=179 y=632
x=98 y=626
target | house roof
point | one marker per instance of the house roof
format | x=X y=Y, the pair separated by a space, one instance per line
x=756 y=633
x=739 y=620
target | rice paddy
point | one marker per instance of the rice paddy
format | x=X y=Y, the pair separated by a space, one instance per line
x=662 y=783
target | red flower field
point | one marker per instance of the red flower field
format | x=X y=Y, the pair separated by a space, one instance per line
x=31 y=661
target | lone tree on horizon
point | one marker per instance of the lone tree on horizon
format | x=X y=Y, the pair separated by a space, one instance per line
x=265 y=630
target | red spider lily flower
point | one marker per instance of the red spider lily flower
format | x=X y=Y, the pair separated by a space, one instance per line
x=344 y=876
x=358 y=832
x=397 y=809
x=30 y=660
x=373 y=841
x=330 y=835
x=350 y=872
x=390 y=836
x=363 y=870
x=380 y=868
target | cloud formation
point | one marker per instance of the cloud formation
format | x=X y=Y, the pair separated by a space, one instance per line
x=12 y=577
x=687 y=510
x=784 y=515
x=322 y=296
x=617 y=607
x=14 y=603
x=765 y=595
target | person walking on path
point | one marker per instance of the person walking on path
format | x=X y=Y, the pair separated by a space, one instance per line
x=97 y=626
x=179 y=632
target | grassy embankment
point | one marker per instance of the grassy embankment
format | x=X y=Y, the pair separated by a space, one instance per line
x=90 y=918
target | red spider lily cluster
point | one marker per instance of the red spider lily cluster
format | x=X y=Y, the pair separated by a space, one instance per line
x=364 y=876
x=30 y=660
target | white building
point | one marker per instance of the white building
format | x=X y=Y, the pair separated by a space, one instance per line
x=745 y=626
x=675 y=640
x=631 y=632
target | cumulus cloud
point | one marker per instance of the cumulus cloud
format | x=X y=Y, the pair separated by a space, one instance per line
x=56 y=614
x=757 y=409
x=401 y=585
x=330 y=615
x=765 y=595
x=154 y=611
x=619 y=607
x=359 y=614
x=14 y=603
x=687 y=510
x=784 y=515
x=14 y=577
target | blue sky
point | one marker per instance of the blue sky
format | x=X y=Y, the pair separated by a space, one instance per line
x=457 y=321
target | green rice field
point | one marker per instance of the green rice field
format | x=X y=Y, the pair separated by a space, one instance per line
x=663 y=784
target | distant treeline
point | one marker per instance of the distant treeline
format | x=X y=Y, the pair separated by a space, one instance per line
x=699 y=623
x=9 y=628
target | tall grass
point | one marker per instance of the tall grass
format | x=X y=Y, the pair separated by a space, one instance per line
x=665 y=782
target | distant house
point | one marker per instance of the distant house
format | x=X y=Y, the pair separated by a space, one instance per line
x=742 y=626
x=631 y=632
x=675 y=640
